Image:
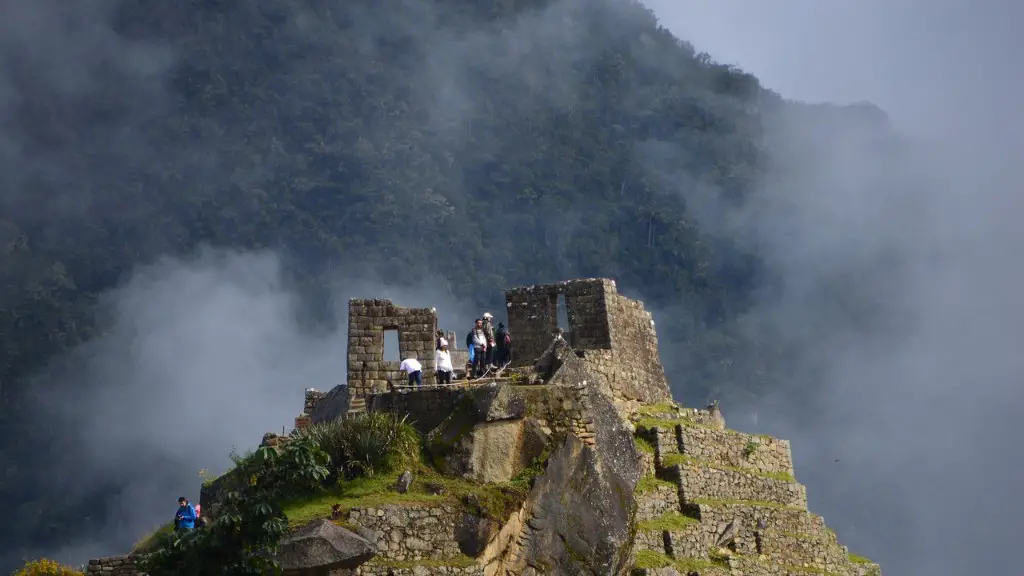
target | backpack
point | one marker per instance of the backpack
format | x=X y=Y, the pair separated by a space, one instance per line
x=469 y=339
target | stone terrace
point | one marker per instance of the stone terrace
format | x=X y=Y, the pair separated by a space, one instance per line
x=716 y=501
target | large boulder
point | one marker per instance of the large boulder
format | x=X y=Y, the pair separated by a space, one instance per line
x=486 y=437
x=322 y=546
x=579 y=517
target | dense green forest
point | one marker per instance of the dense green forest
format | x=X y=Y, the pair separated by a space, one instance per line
x=510 y=141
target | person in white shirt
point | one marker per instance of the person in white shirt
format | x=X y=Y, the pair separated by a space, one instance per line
x=443 y=363
x=412 y=367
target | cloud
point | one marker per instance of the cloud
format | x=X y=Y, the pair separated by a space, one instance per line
x=897 y=293
x=201 y=355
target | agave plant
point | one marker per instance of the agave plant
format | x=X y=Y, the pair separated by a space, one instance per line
x=366 y=444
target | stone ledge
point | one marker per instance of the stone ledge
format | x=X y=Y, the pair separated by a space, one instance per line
x=699 y=480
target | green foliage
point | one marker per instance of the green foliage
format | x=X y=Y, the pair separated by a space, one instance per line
x=45 y=567
x=750 y=447
x=367 y=444
x=251 y=520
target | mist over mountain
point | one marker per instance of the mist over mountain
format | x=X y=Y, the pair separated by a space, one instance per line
x=189 y=191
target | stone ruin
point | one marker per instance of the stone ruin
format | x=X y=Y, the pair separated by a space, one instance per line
x=631 y=483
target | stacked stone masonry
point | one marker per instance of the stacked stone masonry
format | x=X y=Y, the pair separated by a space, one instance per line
x=759 y=454
x=615 y=334
x=113 y=566
x=409 y=533
x=713 y=484
x=368 y=319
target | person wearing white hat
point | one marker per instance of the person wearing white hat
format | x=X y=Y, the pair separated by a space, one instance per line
x=489 y=331
x=443 y=362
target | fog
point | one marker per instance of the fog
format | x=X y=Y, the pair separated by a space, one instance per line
x=203 y=356
x=919 y=404
x=896 y=287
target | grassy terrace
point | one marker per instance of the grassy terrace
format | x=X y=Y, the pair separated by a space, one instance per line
x=668 y=522
x=651 y=560
x=679 y=459
x=497 y=500
x=650 y=483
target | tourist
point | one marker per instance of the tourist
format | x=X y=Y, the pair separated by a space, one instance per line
x=471 y=357
x=504 y=345
x=489 y=331
x=185 y=519
x=443 y=363
x=438 y=340
x=479 y=340
x=412 y=367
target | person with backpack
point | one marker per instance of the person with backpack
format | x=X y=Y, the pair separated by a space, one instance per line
x=185 y=518
x=504 y=343
x=472 y=357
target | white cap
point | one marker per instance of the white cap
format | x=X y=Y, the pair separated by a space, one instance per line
x=442 y=342
x=488 y=315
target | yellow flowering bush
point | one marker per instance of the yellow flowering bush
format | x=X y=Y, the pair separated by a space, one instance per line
x=45 y=567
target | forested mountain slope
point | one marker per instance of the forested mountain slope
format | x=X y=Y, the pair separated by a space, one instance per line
x=486 y=144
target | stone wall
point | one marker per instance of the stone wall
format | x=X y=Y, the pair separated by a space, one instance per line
x=614 y=334
x=368 y=372
x=409 y=532
x=426 y=409
x=704 y=482
x=330 y=406
x=759 y=454
x=533 y=317
x=114 y=566
x=639 y=374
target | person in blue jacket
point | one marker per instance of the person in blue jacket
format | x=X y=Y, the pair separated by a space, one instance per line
x=185 y=519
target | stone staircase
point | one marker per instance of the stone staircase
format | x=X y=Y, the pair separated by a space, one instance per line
x=356 y=404
x=724 y=502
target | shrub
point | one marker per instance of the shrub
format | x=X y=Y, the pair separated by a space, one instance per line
x=44 y=567
x=367 y=444
x=250 y=521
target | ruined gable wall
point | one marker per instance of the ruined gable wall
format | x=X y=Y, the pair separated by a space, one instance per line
x=638 y=372
x=533 y=317
x=368 y=372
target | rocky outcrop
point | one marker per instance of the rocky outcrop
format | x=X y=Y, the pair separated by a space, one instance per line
x=322 y=546
x=486 y=438
x=578 y=517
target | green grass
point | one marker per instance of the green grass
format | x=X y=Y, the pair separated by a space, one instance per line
x=649 y=559
x=643 y=445
x=668 y=522
x=657 y=408
x=674 y=459
x=497 y=500
x=651 y=483
x=858 y=559
x=147 y=543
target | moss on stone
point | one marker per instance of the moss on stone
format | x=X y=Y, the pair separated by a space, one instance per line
x=858 y=559
x=643 y=445
x=668 y=522
x=679 y=459
x=651 y=483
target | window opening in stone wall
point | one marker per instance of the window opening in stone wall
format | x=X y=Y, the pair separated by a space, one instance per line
x=563 y=314
x=391 y=349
